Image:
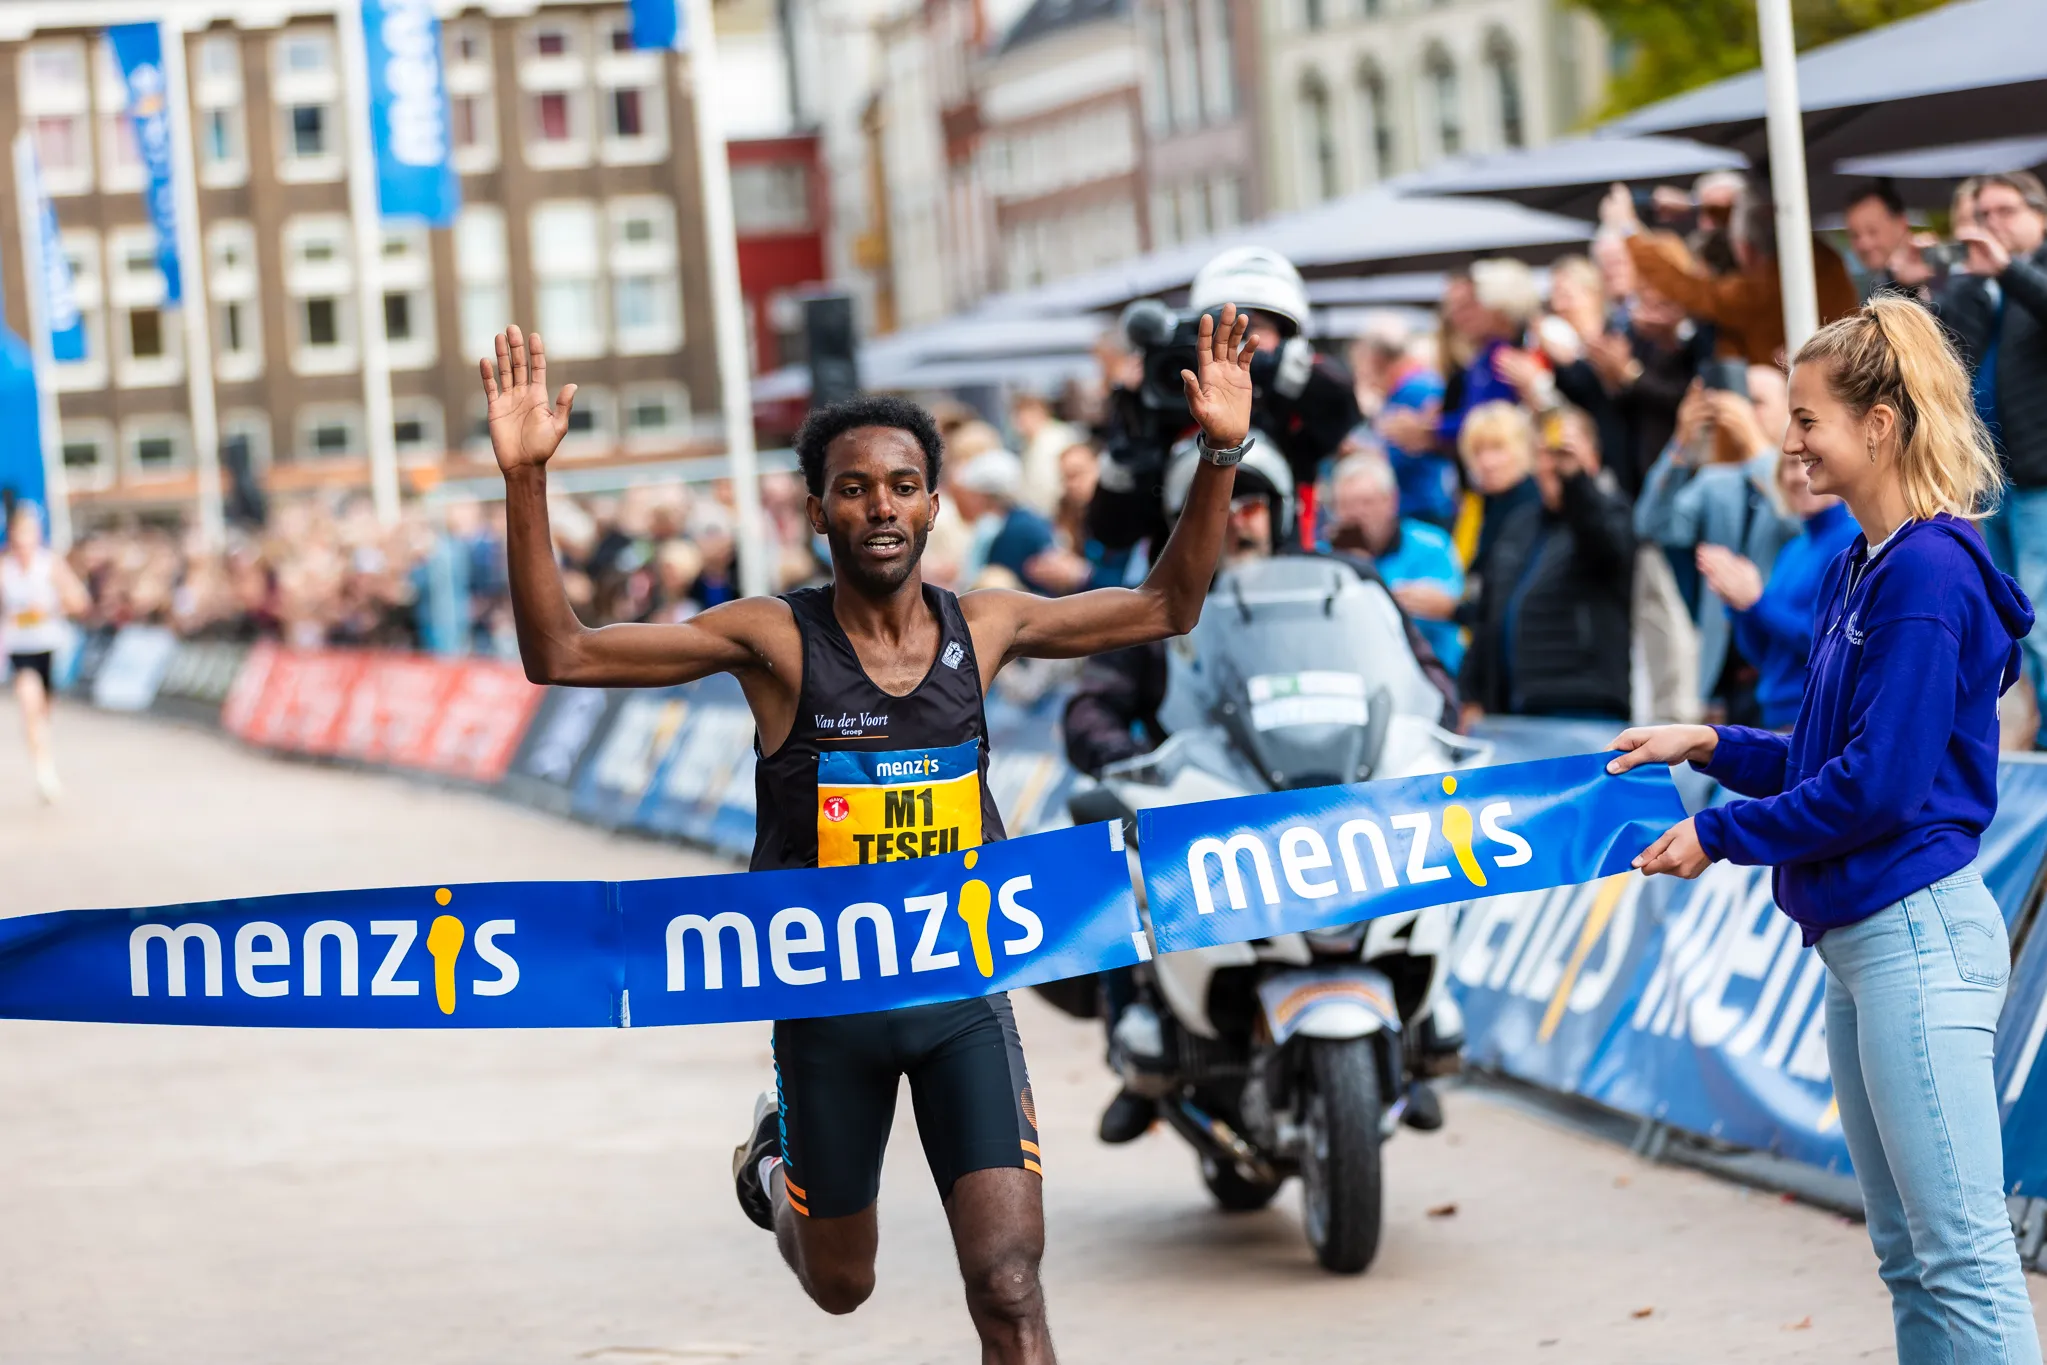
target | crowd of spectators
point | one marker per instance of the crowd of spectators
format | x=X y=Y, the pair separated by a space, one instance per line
x=1574 y=491
x=1602 y=453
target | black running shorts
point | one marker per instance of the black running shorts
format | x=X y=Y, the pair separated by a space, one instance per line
x=38 y=664
x=837 y=1079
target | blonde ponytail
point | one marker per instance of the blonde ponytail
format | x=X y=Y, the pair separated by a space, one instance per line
x=1893 y=352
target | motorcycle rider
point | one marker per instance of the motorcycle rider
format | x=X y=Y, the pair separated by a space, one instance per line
x=1113 y=714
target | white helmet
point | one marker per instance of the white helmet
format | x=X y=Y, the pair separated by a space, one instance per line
x=1262 y=470
x=1251 y=277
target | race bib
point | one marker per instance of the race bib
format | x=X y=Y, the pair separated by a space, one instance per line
x=903 y=803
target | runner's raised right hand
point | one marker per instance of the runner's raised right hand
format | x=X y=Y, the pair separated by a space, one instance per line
x=524 y=431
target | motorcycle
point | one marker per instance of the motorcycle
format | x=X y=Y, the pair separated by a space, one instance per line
x=1293 y=1055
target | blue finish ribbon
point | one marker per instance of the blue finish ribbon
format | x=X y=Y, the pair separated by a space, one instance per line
x=1254 y=866
x=838 y=940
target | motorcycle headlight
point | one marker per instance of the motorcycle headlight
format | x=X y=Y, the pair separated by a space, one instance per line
x=1338 y=939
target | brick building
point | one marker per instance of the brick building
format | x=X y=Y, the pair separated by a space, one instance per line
x=577 y=160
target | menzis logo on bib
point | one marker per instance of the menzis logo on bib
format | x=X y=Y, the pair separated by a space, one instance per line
x=1225 y=871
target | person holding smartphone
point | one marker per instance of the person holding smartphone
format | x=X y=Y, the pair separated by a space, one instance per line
x=1871 y=811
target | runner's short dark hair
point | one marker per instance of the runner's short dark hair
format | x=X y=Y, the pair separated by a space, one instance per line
x=1885 y=193
x=826 y=424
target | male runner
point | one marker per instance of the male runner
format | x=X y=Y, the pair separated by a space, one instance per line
x=908 y=664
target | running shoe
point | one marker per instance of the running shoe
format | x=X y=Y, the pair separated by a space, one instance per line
x=47 y=785
x=749 y=1156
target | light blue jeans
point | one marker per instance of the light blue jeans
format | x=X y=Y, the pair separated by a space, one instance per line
x=1913 y=994
x=2017 y=539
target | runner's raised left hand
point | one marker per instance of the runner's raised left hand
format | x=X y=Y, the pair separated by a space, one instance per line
x=1220 y=396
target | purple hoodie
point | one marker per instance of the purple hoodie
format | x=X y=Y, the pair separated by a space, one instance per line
x=1888 y=779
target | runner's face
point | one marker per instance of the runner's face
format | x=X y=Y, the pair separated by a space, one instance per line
x=876 y=510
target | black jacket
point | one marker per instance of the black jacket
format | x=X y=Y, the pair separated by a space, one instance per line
x=1564 y=578
x=1970 y=312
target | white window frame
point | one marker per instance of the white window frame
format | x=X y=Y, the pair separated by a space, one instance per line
x=120 y=159
x=566 y=269
x=432 y=418
x=596 y=423
x=641 y=71
x=220 y=94
x=334 y=278
x=484 y=300
x=43 y=97
x=411 y=273
x=314 y=415
x=105 y=469
x=472 y=79
x=672 y=395
x=128 y=290
x=656 y=263
x=235 y=285
x=291 y=89
x=135 y=430
x=568 y=75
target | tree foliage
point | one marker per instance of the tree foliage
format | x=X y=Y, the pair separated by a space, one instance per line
x=1664 y=47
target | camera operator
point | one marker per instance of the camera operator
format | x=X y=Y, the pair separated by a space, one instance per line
x=1302 y=402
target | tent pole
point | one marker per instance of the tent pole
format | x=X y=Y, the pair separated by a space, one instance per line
x=1786 y=128
x=728 y=302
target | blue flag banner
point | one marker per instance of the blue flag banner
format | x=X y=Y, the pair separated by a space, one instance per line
x=660 y=23
x=409 y=112
x=1254 y=866
x=845 y=940
x=59 y=290
x=139 y=49
x=690 y=950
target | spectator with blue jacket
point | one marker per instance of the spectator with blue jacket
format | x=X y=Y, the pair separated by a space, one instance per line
x=1773 y=620
x=1414 y=557
x=1872 y=811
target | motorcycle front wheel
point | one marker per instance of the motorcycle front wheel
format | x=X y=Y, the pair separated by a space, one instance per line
x=1341 y=1182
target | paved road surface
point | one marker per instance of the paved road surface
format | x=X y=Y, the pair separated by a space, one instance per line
x=562 y=1198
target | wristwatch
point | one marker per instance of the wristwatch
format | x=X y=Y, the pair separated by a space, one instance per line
x=1222 y=459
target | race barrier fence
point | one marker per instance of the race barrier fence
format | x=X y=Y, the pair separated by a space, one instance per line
x=1691 y=1004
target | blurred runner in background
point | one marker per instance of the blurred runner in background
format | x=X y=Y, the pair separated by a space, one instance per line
x=37 y=591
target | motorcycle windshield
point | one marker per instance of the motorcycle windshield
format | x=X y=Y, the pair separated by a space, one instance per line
x=1304 y=663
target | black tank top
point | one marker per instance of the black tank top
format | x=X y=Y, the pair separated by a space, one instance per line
x=867 y=777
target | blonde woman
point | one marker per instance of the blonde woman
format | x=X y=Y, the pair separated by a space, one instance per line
x=1871 y=810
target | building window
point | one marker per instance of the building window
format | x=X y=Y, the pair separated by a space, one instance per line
x=217 y=98
x=88 y=451
x=630 y=92
x=232 y=284
x=330 y=429
x=646 y=303
x=553 y=121
x=654 y=414
x=626 y=115
x=1226 y=202
x=770 y=197
x=1320 y=138
x=566 y=246
x=552 y=42
x=1314 y=14
x=593 y=423
x=408 y=278
x=319 y=279
x=554 y=81
x=156 y=446
x=418 y=429
x=480 y=270
x=472 y=104
x=306 y=88
x=1183 y=64
x=56 y=105
x=1378 y=129
x=1506 y=74
x=147 y=351
x=1442 y=87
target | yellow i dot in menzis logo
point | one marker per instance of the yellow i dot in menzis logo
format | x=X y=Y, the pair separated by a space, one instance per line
x=879 y=807
x=444 y=940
